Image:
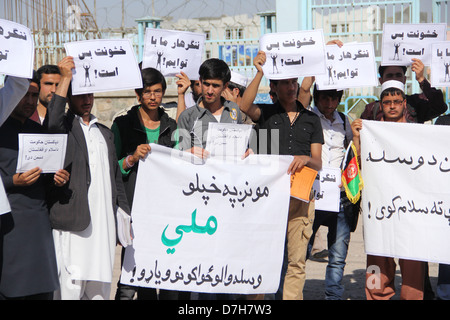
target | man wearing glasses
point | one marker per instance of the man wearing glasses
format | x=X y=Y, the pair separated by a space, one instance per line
x=393 y=105
x=420 y=107
x=143 y=124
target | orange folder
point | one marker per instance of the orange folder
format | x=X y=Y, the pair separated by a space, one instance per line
x=302 y=182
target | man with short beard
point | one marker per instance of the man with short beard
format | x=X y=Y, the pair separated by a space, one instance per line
x=48 y=77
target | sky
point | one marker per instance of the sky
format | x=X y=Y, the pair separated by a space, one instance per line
x=109 y=11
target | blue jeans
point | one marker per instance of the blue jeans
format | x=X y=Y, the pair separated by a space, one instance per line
x=443 y=285
x=338 y=241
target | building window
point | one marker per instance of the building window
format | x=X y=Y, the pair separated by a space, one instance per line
x=236 y=33
x=208 y=35
x=240 y=33
x=268 y=23
x=228 y=34
x=345 y=28
x=334 y=28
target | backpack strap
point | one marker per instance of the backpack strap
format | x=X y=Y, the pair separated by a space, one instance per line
x=346 y=142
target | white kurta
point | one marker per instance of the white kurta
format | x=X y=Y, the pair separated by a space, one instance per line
x=89 y=254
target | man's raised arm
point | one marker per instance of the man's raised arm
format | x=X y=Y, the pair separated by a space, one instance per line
x=57 y=105
x=247 y=106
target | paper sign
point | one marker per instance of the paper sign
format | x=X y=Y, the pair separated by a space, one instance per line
x=104 y=65
x=327 y=193
x=293 y=54
x=440 y=64
x=351 y=66
x=172 y=51
x=404 y=42
x=46 y=151
x=16 y=49
x=227 y=139
x=302 y=182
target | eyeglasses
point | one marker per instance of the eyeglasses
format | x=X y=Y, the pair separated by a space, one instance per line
x=148 y=94
x=388 y=103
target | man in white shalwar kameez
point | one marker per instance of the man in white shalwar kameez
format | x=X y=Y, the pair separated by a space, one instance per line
x=83 y=215
x=88 y=256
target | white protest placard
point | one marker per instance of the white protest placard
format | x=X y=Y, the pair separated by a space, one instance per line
x=46 y=151
x=103 y=65
x=227 y=139
x=440 y=64
x=293 y=54
x=214 y=227
x=16 y=50
x=172 y=51
x=404 y=42
x=327 y=193
x=406 y=196
x=350 y=66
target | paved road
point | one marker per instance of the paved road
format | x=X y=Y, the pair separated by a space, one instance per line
x=354 y=275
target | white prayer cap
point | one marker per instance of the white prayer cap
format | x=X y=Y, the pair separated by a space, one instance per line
x=239 y=79
x=393 y=84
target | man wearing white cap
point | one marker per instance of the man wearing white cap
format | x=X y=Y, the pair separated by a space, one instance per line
x=393 y=101
x=420 y=107
x=393 y=104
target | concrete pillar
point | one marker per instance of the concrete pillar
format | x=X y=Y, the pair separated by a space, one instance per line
x=293 y=15
x=143 y=23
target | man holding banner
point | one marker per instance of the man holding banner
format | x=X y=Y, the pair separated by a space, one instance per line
x=300 y=135
x=211 y=107
x=443 y=284
x=133 y=132
x=381 y=286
